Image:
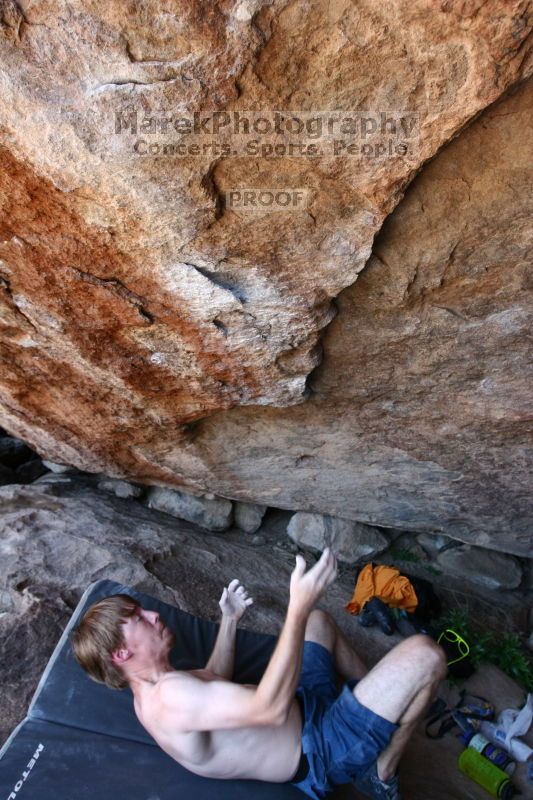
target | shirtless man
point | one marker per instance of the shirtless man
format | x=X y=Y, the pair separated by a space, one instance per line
x=219 y=729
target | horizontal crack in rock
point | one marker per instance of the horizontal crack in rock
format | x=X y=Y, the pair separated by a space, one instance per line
x=116 y=286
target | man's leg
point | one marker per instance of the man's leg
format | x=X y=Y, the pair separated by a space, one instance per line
x=322 y=628
x=399 y=688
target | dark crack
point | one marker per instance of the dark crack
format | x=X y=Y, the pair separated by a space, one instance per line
x=452 y=311
x=220 y=325
x=132 y=82
x=221 y=281
x=208 y=183
x=6 y=285
x=116 y=286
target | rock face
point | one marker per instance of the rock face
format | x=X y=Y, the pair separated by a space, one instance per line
x=417 y=419
x=120 y=488
x=351 y=541
x=492 y=570
x=248 y=516
x=213 y=514
x=148 y=324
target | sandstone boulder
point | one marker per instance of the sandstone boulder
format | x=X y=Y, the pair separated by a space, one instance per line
x=248 y=516
x=488 y=569
x=213 y=514
x=351 y=541
x=119 y=488
x=155 y=333
x=58 y=469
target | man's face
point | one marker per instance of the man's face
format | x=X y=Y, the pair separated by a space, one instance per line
x=146 y=637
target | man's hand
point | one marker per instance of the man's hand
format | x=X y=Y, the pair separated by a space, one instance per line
x=234 y=600
x=307 y=588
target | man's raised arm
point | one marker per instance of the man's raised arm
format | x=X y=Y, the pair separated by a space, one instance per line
x=278 y=684
x=194 y=705
x=233 y=604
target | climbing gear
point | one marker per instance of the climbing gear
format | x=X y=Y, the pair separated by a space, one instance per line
x=386 y=583
x=486 y=774
x=497 y=755
x=376 y=612
x=463 y=715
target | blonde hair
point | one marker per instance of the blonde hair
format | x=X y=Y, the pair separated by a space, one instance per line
x=99 y=634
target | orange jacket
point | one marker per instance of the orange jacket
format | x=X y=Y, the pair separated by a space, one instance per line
x=386 y=583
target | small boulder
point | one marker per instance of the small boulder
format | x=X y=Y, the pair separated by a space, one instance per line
x=51 y=477
x=407 y=548
x=214 y=515
x=485 y=568
x=432 y=542
x=120 y=488
x=248 y=516
x=351 y=541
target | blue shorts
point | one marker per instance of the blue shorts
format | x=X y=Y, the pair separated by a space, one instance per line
x=340 y=737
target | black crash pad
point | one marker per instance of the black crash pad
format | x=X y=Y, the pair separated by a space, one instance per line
x=81 y=740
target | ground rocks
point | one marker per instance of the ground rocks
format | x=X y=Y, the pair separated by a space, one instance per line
x=351 y=541
x=57 y=468
x=214 y=514
x=433 y=543
x=119 y=488
x=52 y=477
x=488 y=569
x=248 y=516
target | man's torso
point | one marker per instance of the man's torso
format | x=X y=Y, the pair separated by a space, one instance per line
x=258 y=753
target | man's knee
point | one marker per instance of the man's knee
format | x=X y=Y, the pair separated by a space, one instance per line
x=320 y=628
x=320 y=618
x=429 y=656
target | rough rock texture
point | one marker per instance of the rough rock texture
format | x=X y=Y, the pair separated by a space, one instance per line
x=248 y=516
x=135 y=303
x=419 y=414
x=119 y=488
x=215 y=514
x=56 y=538
x=58 y=469
x=351 y=541
x=432 y=544
x=492 y=570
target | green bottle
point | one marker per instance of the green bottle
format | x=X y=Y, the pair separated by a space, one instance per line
x=487 y=774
